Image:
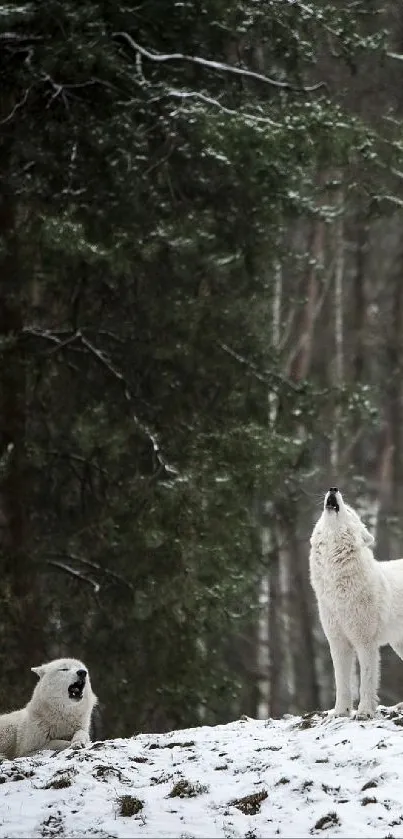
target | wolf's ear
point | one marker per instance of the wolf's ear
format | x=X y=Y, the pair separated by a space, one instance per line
x=368 y=538
x=38 y=670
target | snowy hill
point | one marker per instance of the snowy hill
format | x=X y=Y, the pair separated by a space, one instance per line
x=295 y=777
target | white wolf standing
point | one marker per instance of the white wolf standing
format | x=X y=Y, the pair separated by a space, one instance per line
x=58 y=714
x=360 y=601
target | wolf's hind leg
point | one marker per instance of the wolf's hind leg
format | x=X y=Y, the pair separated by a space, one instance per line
x=398 y=648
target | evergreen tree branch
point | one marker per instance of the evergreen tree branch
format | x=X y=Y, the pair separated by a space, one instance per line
x=214 y=65
x=192 y=94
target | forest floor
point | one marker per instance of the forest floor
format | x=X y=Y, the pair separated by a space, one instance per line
x=294 y=777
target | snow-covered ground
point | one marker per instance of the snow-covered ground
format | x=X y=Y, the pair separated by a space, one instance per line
x=299 y=776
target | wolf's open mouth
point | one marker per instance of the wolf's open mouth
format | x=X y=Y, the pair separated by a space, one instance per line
x=76 y=690
x=332 y=503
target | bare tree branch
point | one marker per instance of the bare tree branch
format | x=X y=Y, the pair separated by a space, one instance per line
x=118 y=578
x=79 y=459
x=212 y=65
x=395 y=55
x=17 y=106
x=392 y=198
x=107 y=572
x=105 y=361
x=74 y=573
x=102 y=357
x=45 y=334
x=266 y=376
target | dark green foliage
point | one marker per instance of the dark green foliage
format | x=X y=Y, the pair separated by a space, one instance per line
x=149 y=196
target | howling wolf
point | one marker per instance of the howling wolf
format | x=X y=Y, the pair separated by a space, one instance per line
x=58 y=714
x=360 y=601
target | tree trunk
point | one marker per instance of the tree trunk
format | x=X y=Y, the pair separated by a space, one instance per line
x=275 y=704
x=338 y=377
x=308 y=692
x=390 y=540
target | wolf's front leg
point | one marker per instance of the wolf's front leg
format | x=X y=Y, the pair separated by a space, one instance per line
x=342 y=656
x=81 y=739
x=8 y=738
x=58 y=745
x=368 y=656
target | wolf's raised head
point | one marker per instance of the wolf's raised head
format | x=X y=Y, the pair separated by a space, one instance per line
x=63 y=683
x=339 y=518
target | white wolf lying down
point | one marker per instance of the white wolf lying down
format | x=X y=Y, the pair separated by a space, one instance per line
x=58 y=714
x=360 y=601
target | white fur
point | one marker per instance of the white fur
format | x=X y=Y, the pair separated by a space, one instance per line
x=51 y=719
x=360 y=603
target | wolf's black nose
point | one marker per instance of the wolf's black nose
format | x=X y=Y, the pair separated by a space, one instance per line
x=334 y=489
x=81 y=674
